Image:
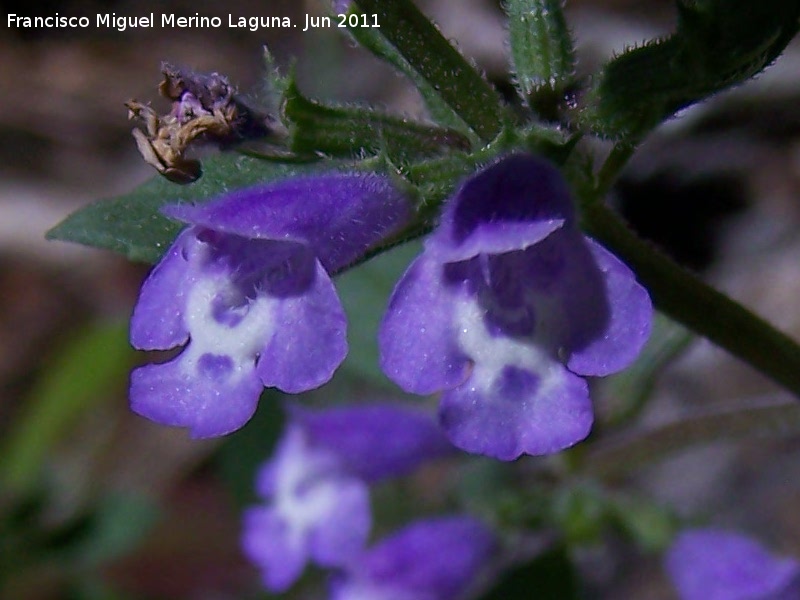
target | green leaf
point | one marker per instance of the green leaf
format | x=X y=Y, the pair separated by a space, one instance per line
x=353 y=131
x=409 y=41
x=541 y=50
x=715 y=46
x=81 y=372
x=133 y=225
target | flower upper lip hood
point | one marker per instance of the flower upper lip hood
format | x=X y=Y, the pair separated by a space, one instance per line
x=247 y=289
x=525 y=209
x=339 y=215
x=507 y=309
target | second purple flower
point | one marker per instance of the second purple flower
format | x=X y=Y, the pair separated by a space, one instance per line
x=507 y=309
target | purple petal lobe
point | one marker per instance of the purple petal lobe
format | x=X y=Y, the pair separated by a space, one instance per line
x=626 y=327
x=719 y=565
x=518 y=398
x=267 y=542
x=157 y=321
x=313 y=511
x=309 y=342
x=415 y=337
x=205 y=395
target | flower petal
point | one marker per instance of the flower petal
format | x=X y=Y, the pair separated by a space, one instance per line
x=340 y=215
x=314 y=511
x=342 y=523
x=434 y=559
x=280 y=557
x=518 y=399
x=508 y=206
x=210 y=395
x=375 y=441
x=517 y=411
x=157 y=321
x=627 y=325
x=415 y=337
x=309 y=340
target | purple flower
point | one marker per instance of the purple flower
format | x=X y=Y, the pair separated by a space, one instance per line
x=435 y=559
x=315 y=487
x=709 y=564
x=507 y=309
x=246 y=288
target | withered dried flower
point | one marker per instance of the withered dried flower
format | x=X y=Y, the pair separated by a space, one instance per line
x=205 y=108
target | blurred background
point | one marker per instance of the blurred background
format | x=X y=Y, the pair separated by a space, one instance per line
x=95 y=502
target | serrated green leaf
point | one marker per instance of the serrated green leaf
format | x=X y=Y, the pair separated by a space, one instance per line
x=354 y=131
x=714 y=47
x=541 y=47
x=133 y=225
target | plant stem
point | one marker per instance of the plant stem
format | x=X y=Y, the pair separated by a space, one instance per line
x=684 y=297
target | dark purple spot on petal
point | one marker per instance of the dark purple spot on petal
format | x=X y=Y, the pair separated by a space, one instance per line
x=515 y=384
x=216 y=367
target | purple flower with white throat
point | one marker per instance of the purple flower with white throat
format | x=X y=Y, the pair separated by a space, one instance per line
x=247 y=289
x=316 y=499
x=507 y=309
x=712 y=564
x=434 y=559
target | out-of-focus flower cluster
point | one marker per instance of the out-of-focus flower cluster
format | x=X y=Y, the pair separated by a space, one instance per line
x=316 y=508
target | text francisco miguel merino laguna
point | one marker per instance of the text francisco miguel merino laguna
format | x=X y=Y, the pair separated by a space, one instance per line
x=121 y=23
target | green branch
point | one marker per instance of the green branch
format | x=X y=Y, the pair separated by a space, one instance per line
x=684 y=297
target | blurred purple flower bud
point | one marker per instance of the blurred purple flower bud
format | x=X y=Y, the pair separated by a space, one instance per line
x=315 y=486
x=434 y=559
x=709 y=564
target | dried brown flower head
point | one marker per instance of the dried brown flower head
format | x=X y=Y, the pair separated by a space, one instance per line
x=205 y=108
